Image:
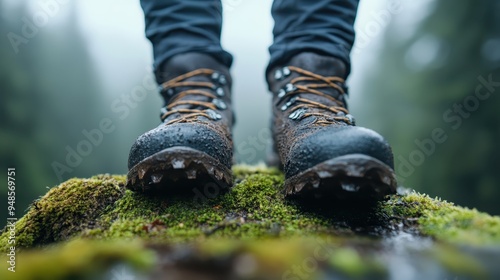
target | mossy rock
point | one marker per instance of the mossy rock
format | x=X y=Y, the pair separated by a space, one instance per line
x=250 y=231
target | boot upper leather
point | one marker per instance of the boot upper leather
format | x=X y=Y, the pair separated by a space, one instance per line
x=197 y=112
x=309 y=127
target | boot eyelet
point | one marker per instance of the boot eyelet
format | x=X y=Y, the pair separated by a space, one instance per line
x=340 y=114
x=220 y=92
x=281 y=93
x=219 y=78
x=291 y=101
x=215 y=76
x=278 y=75
x=290 y=88
x=163 y=111
x=213 y=115
x=286 y=72
x=220 y=104
x=170 y=92
x=297 y=114
x=222 y=80
x=288 y=104
x=351 y=119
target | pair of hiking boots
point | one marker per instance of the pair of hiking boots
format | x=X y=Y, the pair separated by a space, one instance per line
x=316 y=142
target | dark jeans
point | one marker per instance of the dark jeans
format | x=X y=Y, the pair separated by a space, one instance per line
x=321 y=26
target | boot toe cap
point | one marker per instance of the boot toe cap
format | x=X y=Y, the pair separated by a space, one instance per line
x=195 y=136
x=329 y=143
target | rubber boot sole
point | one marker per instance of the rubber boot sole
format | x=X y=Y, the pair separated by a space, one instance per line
x=178 y=170
x=350 y=177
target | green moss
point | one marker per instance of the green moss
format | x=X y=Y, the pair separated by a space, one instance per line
x=100 y=208
x=253 y=208
x=66 y=210
x=444 y=220
x=251 y=223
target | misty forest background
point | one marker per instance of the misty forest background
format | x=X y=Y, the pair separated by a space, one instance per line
x=51 y=91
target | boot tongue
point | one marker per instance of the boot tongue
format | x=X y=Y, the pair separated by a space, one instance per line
x=324 y=66
x=185 y=63
x=170 y=96
x=321 y=65
x=171 y=93
x=188 y=62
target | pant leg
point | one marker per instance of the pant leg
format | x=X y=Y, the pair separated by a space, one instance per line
x=321 y=26
x=182 y=26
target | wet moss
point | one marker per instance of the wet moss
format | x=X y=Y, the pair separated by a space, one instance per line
x=100 y=208
x=66 y=210
x=252 y=223
x=253 y=208
x=443 y=220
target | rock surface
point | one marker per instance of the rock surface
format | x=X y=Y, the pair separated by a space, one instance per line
x=94 y=228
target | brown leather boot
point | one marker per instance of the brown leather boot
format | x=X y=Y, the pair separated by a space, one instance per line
x=193 y=146
x=322 y=152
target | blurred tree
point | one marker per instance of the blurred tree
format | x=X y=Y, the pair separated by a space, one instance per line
x=49 y=94
x=443 y=80
x=16 y=107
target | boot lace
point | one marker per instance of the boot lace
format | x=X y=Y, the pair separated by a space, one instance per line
x=309 y=82
x=208 y=107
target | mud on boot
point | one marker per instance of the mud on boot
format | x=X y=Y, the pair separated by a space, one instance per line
x=316 y=142
x=193 y=146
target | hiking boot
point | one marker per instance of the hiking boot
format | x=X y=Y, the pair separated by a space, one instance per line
x=322 y=152
x=193 y=145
